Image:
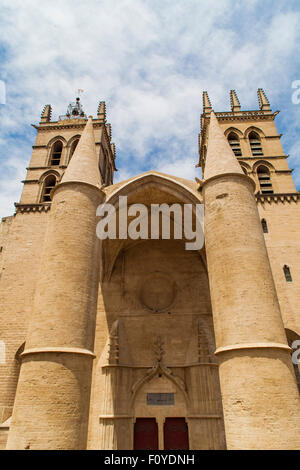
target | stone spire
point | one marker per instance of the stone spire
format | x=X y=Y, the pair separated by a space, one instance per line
x=46 y=113
x=220 y=159
x=83 y=166
x=206 y=103
x=263 y=100
x=101 y=111
x=234 y=101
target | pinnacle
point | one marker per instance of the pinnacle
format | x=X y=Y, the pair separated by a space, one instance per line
x=263 y=101
x=206 y=102
x=234 y=101
x=220 y=158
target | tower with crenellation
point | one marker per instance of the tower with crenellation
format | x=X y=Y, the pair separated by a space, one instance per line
x=256 y=143
x=54 y=147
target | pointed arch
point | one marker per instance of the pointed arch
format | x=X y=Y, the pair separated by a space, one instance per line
x=148 y=183
x=155 y=371
x=255 y=129
x=254 y=135
x=255 y=144
x=71 y=146
x=167 y=183
x=54 y=139
x=264 y=179
x=49 y=172
x=72 y=139
x=234 y=142
x=48 y=184
x=246 y=167
x=264 y=163
x=55 y=150
x=235 y=130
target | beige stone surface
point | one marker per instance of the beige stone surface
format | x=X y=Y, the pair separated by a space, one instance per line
x=248 y=324
x=92 y=327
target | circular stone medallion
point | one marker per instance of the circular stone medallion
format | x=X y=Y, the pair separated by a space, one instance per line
x=157 y=292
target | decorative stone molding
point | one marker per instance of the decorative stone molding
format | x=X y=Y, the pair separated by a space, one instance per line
x=278 y=197
x=41 y=207
x=113 y=344
x=160 y=369
x=203 y=349
x=157 y=292
x=66 y=125
x=158 y=349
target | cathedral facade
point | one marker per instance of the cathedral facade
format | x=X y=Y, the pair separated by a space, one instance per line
x=140 y=343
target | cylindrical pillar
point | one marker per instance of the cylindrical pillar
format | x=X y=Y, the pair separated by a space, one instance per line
x=52 y=401
x=260 y=398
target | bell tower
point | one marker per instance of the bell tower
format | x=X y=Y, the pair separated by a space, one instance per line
x=252 y=219
x=54 y=147
x=256 y=143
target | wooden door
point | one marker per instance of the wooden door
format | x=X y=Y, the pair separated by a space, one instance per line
x=145 y=434
x=176 y=435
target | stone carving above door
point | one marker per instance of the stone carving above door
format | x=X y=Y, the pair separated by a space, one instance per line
x=157 y=292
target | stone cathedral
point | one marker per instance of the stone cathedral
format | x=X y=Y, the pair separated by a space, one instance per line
x=142 y=344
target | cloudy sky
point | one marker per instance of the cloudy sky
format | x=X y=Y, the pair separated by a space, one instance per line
x=149 y=60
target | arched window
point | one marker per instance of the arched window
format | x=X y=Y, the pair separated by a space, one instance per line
x=244 y=170
x=56 y=153
x=234 y=143
x=49 y=184
x=255 y=144
x=287 y=273
x=264 y=226
x=264 y=179
x=73 y=147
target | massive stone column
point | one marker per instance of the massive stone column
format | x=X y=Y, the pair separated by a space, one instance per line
x=260 y=398
x=52 y=401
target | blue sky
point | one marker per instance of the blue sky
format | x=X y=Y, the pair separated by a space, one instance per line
x=149 y=60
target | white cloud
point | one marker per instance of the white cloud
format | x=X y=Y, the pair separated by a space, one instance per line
x=150 y=61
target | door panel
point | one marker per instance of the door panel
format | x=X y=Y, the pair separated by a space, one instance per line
x=145 y=434
x=176 y=435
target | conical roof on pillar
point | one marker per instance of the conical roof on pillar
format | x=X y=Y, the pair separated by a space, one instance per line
x=83 y=166
x=220 y=158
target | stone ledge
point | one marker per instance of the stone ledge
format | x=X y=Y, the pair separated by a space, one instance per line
x=63 y=350
x=115 y=417
x=204 y=417
x=234 y=347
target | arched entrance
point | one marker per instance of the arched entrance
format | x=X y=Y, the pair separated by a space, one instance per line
x=156 y=371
